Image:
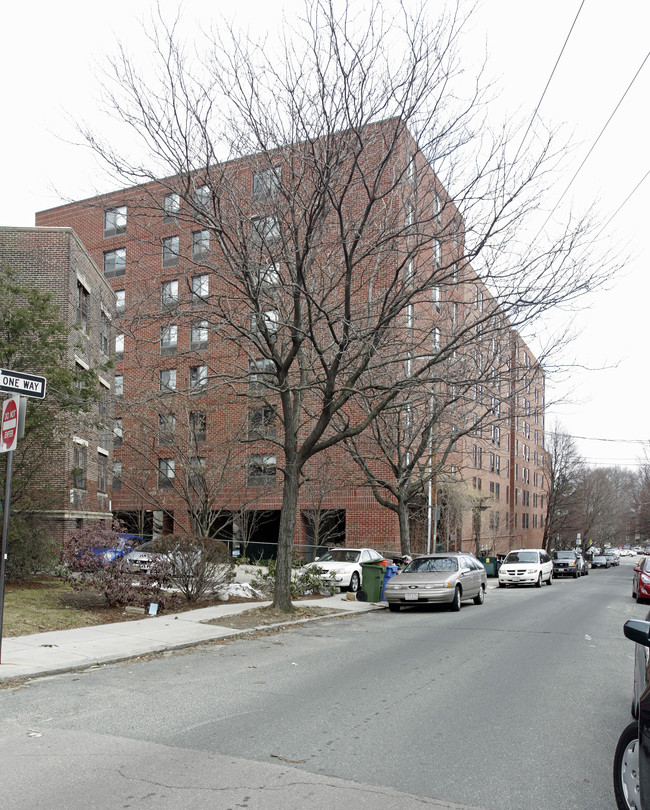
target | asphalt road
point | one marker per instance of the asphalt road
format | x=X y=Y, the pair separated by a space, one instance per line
x=517 y=703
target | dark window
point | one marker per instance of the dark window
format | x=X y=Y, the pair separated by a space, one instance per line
x=197 y=426
x=200 y=243
x=80 y=457
x=82 y=306
x=170 y=251
x=266 y=183
x=101 y=473
x=115 y=262
x=261 y=470
x=261 y=422
x=198 y=378
x=261 y=374
x=166 y=428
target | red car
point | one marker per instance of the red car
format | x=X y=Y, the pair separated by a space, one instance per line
x=641 y=580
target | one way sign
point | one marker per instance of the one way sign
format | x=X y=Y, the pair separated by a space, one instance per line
x=16 y=382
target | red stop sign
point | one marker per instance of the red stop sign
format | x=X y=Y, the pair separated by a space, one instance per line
x=9 y=424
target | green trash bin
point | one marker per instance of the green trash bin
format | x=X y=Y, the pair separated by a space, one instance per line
x=372 y=579
x=490 y=565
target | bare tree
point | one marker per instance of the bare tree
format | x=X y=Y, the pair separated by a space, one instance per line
x=347 y=231
x=562 y=469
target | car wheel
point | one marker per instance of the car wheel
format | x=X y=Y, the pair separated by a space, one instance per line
x=575 y=575
x=538 y=584
x=354 y=583
x=633 y=594
x=480 y=597
x=393 y=607
x=549 y=581
x=502 y=584
x=626 y=769
x=455 y=605
x=639 y=599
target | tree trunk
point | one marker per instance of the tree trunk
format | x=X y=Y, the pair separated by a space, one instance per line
x=404 y=527
x=282 y=593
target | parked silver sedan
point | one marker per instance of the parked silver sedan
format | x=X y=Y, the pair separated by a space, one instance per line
x=447 y=577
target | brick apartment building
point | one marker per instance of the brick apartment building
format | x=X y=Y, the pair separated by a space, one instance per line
x=76 y=475
x=191 y=401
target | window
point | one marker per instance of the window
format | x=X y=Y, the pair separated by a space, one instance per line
x=83 y=296
x=268 y=318
x=261 y=374
x=436 y=298
x=101 y=473
x=169 y=294
x=170 y=251
x=437 y=253
x=200 y=288
x=171 y=207
x=115 y=263
x=120 y=300
x=265 y=230
x=261 y=470
x=168 y=380
x=117 y=475
x=166 y=472
x=168 y=338
x=118 y=386
x=200 y=243
x=166 y=428
x=119 y=346
x=261 y=422
x=196 y=472
x=199 y=335
x=198 y=378
x=437 y=209
x=266 y=183
x=79 y=464
x=117 y=433
x=115 y=221
x=197 y=426
x=455 y=234
x=104 y=332
x=202 y=197
x=410 y=170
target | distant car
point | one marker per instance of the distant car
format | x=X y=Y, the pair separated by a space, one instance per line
x=526 y=566
x=124 y=546
x=641 y=580
x=342 y=566
x=600 y=561
x=612 y=557
x=566 y=564
x=449 y=577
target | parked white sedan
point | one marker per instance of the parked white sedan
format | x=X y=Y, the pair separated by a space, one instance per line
x=342 y=566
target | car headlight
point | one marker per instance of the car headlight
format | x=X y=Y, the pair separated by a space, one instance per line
x=531 y=570
x=645 y=579
x=393 y=587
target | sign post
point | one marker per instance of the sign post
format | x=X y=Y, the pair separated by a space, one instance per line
x=12 y=427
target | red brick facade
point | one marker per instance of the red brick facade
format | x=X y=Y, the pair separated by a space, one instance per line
x=150 y=251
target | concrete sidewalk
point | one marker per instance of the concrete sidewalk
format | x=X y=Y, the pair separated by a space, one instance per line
x=65 y=650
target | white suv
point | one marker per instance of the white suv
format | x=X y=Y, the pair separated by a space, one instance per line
x=526 y=566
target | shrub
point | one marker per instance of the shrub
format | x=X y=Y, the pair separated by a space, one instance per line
x=197 y=565
x=303 y=581
x=87 y=568
x=30 y=548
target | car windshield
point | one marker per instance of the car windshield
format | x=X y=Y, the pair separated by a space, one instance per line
x=599 y=557
x=521 y=557
x=563 y=555
x=348 y=555
x=436 y=564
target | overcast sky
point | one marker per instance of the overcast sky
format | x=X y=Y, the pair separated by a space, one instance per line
x=48 y=58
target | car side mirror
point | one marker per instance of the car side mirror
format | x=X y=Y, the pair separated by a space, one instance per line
x=637 y=567
x=637 y=630
x=316 y=559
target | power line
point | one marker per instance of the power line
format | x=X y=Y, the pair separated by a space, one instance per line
x=626 y=199
x=550 y=78
x=602 y=131
x=596 y=438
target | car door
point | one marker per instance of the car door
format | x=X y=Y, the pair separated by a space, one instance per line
x=469 y=576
